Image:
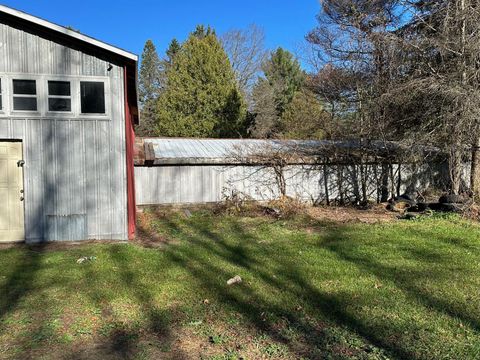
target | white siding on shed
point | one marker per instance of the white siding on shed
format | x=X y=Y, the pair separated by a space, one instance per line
x=195 y=184
x=192 y=171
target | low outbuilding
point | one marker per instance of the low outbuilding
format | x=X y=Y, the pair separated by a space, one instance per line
x=196 y=171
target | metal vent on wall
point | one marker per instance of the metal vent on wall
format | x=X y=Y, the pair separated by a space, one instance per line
x=66 y=227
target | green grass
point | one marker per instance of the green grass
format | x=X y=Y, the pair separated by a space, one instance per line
x=310 y=290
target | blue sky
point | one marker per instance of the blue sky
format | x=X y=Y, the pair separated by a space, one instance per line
x=128 y=24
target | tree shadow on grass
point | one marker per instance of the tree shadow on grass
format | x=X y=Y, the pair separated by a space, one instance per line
x=24 y=283
x=451 y=240
x=19 y=277
x=276 y=288
x=288 y=277
x=127 y=340
x=334 y=306
x=436 y=267
x=22 y=291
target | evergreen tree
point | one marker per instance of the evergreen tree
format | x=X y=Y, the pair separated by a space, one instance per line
x=149 y=82
x=266 y=119
x=304 y=118
x=149 y=88
x=285 y=75
x=201 y=98
x=201 y=31
x=172 y=50
x=273 y=94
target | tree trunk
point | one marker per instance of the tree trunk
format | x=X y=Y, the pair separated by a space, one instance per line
x=356 y=188
x=363 y=176
x=456 y=153
x=392 y=181
x=377 y=180
x=280 y=178
x=384 y=183
x=455 y=170
x=475 y=170
x=340 y=184
x=325 y=183
x=399 y=179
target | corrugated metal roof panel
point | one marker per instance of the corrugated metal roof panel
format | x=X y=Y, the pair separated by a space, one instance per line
x=168 y=151
x=191 y=151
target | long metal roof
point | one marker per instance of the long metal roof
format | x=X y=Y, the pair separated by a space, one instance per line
x=187 y=148
x=178 y=151
x=211 y=149
x=67 y=32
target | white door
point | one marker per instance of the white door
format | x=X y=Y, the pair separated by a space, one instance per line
x=11 y=192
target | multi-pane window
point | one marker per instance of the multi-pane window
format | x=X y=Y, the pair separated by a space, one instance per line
x=67 y=96
x=59 y=96
x=92 y=97
x=25 y=95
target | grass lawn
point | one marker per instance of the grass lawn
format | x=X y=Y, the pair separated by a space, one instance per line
x=311 y=289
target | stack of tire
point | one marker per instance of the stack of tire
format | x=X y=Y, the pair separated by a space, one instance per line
x=405 y=203
x=450 y=203
x=447 y=203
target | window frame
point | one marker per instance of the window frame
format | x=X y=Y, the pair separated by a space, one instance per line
x=69 y=97
x=30 y=96
x=6 y=110
x=42 y=97
x=2 y=95
x=80 y=98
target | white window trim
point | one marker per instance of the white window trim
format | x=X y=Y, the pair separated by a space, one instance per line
x=36 y=96
x=5 y=98
x=42 y=97
x=68 y=97
x=106 y=98
x=2 y=95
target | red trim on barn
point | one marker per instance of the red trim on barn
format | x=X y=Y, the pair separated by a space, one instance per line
x=130 y=142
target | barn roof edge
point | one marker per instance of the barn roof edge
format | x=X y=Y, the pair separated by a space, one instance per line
x=67 y=32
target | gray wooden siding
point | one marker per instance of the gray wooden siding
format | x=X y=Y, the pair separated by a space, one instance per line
x=206 y=184
x=193 y=184
x=75 y=167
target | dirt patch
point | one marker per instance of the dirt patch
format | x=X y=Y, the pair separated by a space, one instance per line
x=58 y=245
x=146 y=235
x=378 y=213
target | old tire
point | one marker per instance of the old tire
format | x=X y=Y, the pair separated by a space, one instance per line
x=448 y=207
x=418 y=208
x=452 y=199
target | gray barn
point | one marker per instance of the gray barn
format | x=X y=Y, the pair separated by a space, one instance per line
x=68 y=103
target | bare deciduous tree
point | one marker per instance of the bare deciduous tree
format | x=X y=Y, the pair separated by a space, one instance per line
x=414 y=73
x=246 y=50
x=437 y=94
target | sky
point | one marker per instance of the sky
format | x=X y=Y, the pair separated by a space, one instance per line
x=128 y=24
